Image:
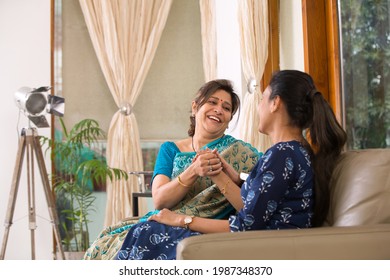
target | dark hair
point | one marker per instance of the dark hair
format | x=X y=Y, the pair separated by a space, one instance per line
x=209 y=89
x=309 y=111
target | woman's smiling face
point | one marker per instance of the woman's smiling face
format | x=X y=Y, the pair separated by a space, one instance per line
x=215 y=114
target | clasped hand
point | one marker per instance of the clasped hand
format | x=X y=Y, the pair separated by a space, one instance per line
x=208 y=163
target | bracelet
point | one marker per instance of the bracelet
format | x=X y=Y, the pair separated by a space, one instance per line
x=181 y=182
x=223 y=190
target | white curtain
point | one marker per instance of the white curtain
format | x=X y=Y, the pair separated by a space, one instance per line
x=209 y=38
x=125 y=36
x=253 y=28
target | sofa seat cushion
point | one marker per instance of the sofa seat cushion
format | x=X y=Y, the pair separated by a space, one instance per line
x=360 y=188
x=368 y=242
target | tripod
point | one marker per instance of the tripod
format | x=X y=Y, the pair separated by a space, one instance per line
x=30 y=140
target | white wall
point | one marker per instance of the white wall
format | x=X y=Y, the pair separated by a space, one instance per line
x=25 y=61
x=291 y=35
x=228 y=48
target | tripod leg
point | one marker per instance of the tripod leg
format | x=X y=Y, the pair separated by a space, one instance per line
x=48 y=193
x=13 y=193
x=31 y=193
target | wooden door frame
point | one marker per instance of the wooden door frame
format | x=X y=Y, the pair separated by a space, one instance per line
x=322 y=49
x=273 y=61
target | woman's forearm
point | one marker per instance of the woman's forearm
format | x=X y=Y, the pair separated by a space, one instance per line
x=229 y=189
x=205 y=225
x=168 y=193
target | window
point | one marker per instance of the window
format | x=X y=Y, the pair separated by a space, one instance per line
x=365 y=58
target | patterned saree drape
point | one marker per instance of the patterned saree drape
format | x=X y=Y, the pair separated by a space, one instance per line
x=125 y=36
x=253 y=27
x=209 y=39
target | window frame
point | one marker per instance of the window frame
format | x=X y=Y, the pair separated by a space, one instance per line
x=322 y=47
x=273 y=61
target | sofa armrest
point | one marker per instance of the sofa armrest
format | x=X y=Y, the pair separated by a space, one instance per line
x=325 y=243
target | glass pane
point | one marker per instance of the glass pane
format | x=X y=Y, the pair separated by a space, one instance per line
x=365 y=36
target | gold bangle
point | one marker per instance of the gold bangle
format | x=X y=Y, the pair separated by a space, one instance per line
x=181 y=182
x=223 y=190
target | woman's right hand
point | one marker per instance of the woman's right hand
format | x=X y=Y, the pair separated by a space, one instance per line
x=229 y=170
x=207 y=163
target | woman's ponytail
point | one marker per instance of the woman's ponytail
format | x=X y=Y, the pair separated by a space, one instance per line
x=328 y=139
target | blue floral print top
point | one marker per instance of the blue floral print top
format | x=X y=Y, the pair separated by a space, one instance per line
x=278 y=194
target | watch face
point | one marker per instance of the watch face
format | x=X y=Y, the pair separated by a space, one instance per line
x=187 y=220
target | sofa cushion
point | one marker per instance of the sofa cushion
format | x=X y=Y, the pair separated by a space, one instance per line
x=360 y=188
x=368 y=242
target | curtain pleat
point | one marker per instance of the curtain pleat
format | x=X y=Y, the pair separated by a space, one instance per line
x=209 y=38
x=253 y=28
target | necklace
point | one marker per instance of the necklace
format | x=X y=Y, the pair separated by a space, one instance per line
x=192 y=143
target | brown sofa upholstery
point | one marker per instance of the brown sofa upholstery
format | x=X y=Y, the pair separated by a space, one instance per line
x=358 y=225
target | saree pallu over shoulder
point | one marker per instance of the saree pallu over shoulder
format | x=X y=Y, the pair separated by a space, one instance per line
x=203 y=199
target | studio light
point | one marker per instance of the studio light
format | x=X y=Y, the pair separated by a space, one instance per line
x=36 y=103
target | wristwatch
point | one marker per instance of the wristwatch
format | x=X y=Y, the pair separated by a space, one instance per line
x=187 y=221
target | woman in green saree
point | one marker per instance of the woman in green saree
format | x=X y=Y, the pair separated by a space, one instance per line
x=179 y=181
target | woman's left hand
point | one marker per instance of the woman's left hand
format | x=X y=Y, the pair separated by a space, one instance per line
x=167 y=217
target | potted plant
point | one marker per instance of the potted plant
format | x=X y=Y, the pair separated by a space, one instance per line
x=78 y=168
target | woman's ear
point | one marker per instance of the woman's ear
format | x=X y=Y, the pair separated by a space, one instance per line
x=193 y=108
x=275 y=103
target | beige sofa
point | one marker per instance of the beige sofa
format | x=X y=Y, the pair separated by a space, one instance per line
x=358 y=224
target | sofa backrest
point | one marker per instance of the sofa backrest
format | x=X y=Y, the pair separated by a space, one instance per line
x=360 y=188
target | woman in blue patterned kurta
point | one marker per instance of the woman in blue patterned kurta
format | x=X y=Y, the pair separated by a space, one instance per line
x=279 y=193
